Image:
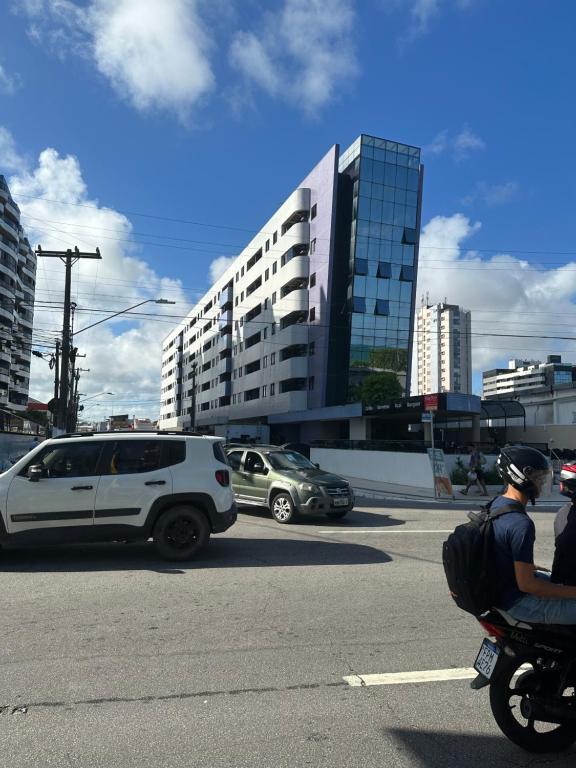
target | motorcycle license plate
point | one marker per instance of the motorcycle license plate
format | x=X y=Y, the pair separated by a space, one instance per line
x=341 y=502
x=487 y=659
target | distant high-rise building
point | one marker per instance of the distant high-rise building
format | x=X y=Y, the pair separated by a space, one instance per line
x=322 y=297
x=17 y=290
x=443 y=341
x=527 y=376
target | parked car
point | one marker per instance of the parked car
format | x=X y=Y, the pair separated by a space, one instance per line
x=286 y=483
x=115 y=486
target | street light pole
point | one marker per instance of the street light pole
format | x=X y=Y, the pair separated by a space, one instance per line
x=123 y=312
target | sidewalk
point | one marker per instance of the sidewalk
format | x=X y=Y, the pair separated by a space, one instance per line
x=373 y=489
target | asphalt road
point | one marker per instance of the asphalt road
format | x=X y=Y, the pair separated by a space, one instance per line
x=111 y=658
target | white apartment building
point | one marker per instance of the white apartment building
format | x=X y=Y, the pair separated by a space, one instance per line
x=444 y=349
x=527 y=376
x=17 y=290
x=322 y=296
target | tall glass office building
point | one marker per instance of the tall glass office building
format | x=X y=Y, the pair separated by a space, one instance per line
x=385 y=224
x=321 y=297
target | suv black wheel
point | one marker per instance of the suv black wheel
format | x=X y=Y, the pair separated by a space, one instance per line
x=181 y=533
x=282 y=508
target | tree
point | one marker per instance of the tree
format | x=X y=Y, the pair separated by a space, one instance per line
x=380 y=387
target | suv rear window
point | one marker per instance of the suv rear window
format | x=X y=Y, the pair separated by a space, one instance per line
x=219 y=453
x=175 y=452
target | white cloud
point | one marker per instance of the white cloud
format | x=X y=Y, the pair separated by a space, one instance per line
x=493 y=194
x=303 y=52
x=460 y=146
x=123 y=355
x=8 y=83
x=219 y=266
x=422 y=13
x=155 y=55
x=466 y=142
x=10 y=158
x=507 y=295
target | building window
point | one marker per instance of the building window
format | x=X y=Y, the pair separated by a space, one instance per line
x=275 y=238
x=267 y=247
x=266 y=332
x=313 y=280
x=242 y=272
x=359 y=304
x=312 y=348
x=311 y=382
x=272 y=387
x=266 y=275
x=236 y=276
x=265 y=361
x=274 y=298
x=382 y=307
x=314 y=211
x=313 y=314
x=360 y=266
x=273 y=358
x=264 y=390
x=240 y=372
x=313 y=246
x=265 y=303
x=242 y=296
x=274 y=267
x=273 y=329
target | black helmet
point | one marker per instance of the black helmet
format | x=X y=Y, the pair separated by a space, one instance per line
x=526 y=469
x=568 y=481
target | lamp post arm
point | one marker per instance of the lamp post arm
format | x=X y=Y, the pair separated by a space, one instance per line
x=104 y=319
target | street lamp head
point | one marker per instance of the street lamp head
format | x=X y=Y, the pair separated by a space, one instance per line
x=163 y=301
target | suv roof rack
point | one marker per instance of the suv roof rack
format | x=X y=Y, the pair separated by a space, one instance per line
x=129 y=432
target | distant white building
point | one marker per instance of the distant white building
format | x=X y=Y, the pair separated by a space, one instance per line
x=526 y=377
x=444 y=349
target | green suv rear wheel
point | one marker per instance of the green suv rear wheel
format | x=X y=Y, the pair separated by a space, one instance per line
x=282 y=508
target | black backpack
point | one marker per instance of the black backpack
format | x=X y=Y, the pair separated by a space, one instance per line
x=466 y=558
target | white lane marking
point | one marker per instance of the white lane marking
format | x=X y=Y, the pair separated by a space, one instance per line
x=423 y=676
x=402 y=678
x=380 y=530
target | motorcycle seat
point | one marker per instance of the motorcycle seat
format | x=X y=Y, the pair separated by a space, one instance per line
x=557 y=629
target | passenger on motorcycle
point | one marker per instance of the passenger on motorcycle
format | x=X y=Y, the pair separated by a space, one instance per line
x=526 y=593
x=564 y=568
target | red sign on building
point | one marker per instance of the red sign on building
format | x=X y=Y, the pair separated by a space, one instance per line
x=430 y=402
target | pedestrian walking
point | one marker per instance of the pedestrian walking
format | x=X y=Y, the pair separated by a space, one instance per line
x=475 y=471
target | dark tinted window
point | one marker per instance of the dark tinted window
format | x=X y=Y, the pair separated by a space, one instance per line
x=234 y=459
x=219 y=453
x=134 y=456
x=253 y=462
x=174 y=452
x=69 y=460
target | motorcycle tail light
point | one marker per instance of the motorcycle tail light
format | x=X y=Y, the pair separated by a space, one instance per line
x=222 y=477
x=492 y=629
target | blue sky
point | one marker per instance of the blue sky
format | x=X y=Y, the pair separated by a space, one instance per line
x=213 y=111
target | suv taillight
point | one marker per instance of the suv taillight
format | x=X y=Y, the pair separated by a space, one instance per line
x=222 y=477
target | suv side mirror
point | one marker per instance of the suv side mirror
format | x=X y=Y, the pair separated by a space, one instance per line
x=35 y=472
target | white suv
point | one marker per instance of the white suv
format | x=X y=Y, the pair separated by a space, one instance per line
x=114 y=486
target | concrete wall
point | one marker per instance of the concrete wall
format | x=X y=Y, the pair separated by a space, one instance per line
x=383 y=469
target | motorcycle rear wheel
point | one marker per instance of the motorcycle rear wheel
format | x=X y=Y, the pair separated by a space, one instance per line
x=508 y=696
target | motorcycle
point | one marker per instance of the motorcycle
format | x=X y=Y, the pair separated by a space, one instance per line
x=531 y=671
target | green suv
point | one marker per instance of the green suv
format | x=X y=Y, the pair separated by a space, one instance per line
x=286 y=483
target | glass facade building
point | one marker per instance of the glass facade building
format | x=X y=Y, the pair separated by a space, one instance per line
x=386 y=179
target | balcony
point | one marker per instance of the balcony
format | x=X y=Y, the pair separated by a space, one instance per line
x=296 y=367
x=226 y=296
x=293 y=334
x=297 y=267
x=296 y=235
x=295 y=301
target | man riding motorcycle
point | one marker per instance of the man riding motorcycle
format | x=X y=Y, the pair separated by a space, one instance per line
x=531 y=664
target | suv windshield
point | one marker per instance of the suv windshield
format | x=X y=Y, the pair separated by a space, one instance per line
x=289 y=460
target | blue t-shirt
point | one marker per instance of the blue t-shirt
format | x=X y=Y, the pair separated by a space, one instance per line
x=514 y=538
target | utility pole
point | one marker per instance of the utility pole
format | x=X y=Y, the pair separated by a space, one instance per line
x=69 y=258
x=193 y=406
